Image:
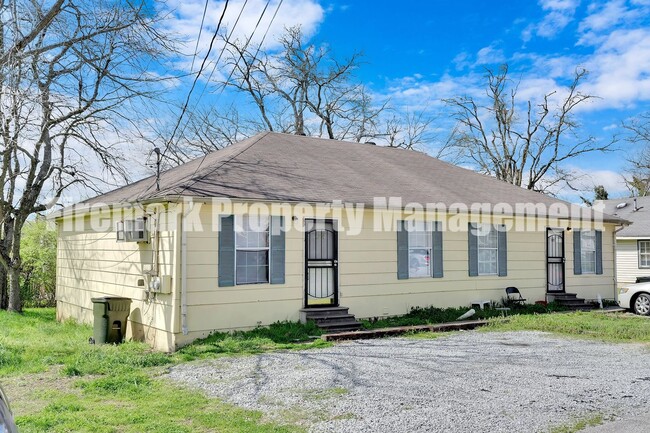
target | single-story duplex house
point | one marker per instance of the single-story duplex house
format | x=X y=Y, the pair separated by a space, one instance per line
x=632 y=241
x=281 y=225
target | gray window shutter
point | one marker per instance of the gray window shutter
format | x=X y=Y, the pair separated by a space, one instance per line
x=436 y=250
x=277 y=250
x=502 y=251
x=599 y=252
x=227 y=251
x=472 y=250
x=402 y=251
x=577 y=253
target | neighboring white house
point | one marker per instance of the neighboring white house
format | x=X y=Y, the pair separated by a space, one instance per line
x=633 y=241
x=276 y=224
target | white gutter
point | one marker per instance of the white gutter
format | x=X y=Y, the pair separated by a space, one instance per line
x=183 y=236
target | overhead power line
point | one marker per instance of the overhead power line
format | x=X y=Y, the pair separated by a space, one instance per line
x=230 y=76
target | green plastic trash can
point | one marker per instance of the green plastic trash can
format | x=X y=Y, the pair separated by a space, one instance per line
x=110 y=314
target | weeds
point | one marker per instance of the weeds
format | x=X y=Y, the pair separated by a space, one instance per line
x=433 y=315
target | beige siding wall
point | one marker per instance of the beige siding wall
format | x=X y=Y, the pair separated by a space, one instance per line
x=368 y=276
x=627 y=262
x=90 y=263
x=93 y=264
x=211 y=307
x=590 y=286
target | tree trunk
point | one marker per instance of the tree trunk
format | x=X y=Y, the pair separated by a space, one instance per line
x=14 y=290
x=15 y=265
x=4 y=289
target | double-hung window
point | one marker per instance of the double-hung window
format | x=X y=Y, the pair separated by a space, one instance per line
x=251 y=249
x=488 y=249
x=588 y=251
x=644 y=254
x=419 y=245
x=419 y=249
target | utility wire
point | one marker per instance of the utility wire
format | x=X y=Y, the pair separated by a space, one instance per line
x=214 y=68
x=198 y=39
x=229 y=77
x=248 y=41
x=198 y=75
x=196 y=78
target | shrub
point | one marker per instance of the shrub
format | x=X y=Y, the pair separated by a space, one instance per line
x=38 y=255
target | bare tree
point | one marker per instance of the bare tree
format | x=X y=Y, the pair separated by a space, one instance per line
x=206 y=130
x=303 y=89
x=638 y=181
x=528 y=149
x=71 y=73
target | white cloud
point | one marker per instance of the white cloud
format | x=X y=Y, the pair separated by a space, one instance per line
x=490 y=55
x=620 y=69
x=559 y=13
x=589 y=178
x=185 y=21
x=604 y=17
x=461 y=61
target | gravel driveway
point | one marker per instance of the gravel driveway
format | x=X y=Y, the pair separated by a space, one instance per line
x=464 y=382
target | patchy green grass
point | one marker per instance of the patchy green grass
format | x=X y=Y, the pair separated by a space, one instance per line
x=278 y=336
x=57 y=382
x=579 y=425
x=137 y=403
x=433 y=315
x=614 y=327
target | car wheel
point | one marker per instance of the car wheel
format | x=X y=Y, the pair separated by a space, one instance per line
x=642 y=304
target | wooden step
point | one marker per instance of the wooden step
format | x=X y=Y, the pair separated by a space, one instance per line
x=385 y=332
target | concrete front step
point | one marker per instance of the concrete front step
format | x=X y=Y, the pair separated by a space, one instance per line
x=575 y=301
x=570 y=301
x=342 y=329
x=323 y=312
x=330 y=319
x=350 y=321
x=563 y=295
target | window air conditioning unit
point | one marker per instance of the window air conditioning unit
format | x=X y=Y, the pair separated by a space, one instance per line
x=132 y=230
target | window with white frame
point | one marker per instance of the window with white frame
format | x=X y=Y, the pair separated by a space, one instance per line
x=644 y=254
x=252 y=249
x=419 y=244
x=588 y=251
x=488 y=249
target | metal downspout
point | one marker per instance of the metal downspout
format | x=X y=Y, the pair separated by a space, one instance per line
x=616 y=263
x=183 y=236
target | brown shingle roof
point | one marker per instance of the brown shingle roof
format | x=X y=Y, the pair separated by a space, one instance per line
x=274 y=166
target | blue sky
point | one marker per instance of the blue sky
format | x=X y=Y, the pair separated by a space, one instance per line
x=418 y=52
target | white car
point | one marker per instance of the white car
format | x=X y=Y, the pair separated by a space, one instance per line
x=635 y=297
x=6 y=419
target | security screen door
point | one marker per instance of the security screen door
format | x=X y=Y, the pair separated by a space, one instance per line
x=554 y=260
x=321 y=264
